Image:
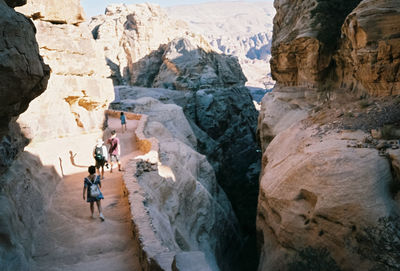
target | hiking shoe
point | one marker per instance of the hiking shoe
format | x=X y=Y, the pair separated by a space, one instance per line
x=92 y=216
x=101 y=216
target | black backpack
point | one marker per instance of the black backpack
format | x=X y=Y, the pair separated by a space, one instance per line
x=98 y=154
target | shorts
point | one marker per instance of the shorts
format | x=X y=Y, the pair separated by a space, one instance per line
x=114 y=158
x=100 y=163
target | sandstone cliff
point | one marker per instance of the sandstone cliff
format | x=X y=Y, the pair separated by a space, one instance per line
x=241 y=29
x=78 y=90
x=329 y=131
x=24 y=76
x=144 y=47
x=77 y=93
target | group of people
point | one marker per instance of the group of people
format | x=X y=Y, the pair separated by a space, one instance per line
x=102 y=156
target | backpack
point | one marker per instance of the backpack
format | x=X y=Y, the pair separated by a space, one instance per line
x=94 y=190
x=98 y=154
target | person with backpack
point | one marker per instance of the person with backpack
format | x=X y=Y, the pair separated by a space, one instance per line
x=114 y=150
x=100 y=154
x=92 y=184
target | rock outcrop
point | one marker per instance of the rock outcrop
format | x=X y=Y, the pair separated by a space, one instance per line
x=329 y=193
x=187 y=63
x=23 y=73
x=24 y=76
x=78 y=91
x=241 y=29
x=144 y=47
x=224 y=124
x=189 y=211
x=54 y=11
x=369 y=56
x=129 y=33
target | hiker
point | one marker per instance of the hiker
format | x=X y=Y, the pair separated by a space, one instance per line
x=92 y=184
x=114 y=150
x=100 y=154
x=123 y=121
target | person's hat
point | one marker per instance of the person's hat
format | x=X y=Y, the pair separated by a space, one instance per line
x=99 y=141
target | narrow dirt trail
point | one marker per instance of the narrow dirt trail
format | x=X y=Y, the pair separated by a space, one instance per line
x=69 y=239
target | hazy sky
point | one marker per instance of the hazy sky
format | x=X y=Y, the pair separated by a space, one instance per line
x=96 y=7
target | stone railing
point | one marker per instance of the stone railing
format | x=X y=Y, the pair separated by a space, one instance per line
x=153 y=255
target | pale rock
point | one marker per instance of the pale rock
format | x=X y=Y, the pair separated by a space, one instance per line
x=189 y=211
x=78 y=91
x=241 y=29
x=129 y=33
x=318 y=195
x=54 y=11
x=187 y=64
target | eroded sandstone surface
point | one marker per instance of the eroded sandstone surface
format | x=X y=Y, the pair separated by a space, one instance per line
x=145 y=47
x=78 y=91
x=329 y=193
x=189 y=210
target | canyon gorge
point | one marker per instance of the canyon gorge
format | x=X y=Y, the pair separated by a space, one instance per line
x=308 y=180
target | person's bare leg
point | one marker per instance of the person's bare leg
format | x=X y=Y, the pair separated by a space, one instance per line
x=102 y=172
x=111 y=166
x=100 y=210
x=92 y=209
x=119 y=166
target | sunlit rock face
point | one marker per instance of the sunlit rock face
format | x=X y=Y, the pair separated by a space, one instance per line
x=187 y=63
x=189 y=210
x=241 y=29
x=144 y=47
x=24 y=183
x=78 y=90
x=129 y=33
x=55 y=11
x=329 y=189
x=369 y=54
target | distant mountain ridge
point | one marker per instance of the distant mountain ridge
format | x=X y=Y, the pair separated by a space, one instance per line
x=242 y=29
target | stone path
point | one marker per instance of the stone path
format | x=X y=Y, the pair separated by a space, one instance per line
x=69 y=239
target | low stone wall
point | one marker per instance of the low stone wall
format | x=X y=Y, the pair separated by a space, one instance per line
x=153 y=255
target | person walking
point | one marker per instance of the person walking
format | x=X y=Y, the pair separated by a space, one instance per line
x=92 y=184
x=114 y=150
x=122 y=117
x=100 y=154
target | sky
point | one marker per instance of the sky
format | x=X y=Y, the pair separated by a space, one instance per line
x=96 y=7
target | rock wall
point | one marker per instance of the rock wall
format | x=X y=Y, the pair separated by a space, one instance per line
x=144 y=47
x=369 y=56
x=24 y=76
x=78 y=91
x=77 y=94
x=188 y=209
x=329 y=190
x=241 y=29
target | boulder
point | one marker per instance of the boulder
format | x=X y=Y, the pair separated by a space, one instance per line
x=54 y=11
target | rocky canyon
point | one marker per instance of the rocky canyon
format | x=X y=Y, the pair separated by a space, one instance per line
x=308 y=180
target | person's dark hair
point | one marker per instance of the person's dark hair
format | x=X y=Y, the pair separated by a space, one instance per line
x=122 y=113
x=92 y=170
x=113 y=132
